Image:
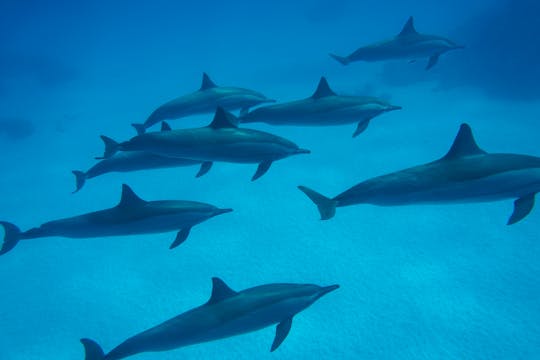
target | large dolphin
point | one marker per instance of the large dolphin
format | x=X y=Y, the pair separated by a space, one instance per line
x=135 y=161
x=323 y=108
x=465 y=174
x=227 y=313
x=131 y=216
x=205 y=100
x=222 y=140
x=408 y=44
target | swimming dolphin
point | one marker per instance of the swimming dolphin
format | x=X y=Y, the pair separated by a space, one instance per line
x=465 y=174
x=131 y=216
x=323 y=108
x=227 y=313
x=408 y=44
x=134 y=161
x=222 y=140
x=205 y=100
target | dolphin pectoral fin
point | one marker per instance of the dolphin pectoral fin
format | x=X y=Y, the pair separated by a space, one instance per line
x=522 y=208
x=92 y=350
x=432 y=61
x=180 y=237
x=12 y=235
x=412 y=61
x=361 y=127
x=261 y=170
x=282 y=330
x=205 y=167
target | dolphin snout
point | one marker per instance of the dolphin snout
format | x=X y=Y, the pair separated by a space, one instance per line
x=394 y=107
x=223 y=211
x=327 y=289
x=269 y=101
x=302 y=151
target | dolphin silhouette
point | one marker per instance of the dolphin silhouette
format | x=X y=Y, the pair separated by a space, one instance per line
x=408 y=44
x=131 y=216
x=465 y=174
x=135 y=161
x=205 y=100
x=227 y=313
x=222 y=140
x=323 y=108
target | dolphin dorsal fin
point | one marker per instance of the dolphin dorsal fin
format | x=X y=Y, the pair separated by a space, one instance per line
x=220 y=291
x=464 y=144
x=165 y=126
x=408 y=29
x=207 y=83
x=129 y=198
x=223 y=119
x=323 y=89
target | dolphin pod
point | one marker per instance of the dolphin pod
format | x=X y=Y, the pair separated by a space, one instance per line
x=222 y=140
x=323 y=108
x=408 y=44
x=227 y=313
x=465 y=174
x=131 y=216
x=205 y=100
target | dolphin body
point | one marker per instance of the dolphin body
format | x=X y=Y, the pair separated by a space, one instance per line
x=408 y=44
x=222 y=140
x=205 y=100
x=465 y=174
x=131 y=216
x=323 y=108
x=135 y=161
x=227 y=313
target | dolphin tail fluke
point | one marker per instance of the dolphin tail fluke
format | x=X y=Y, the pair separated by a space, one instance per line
x=92 y=350
x=80 y=179
x=326 y=206
x=111 y=147
x=12 y=235
x=342 y=60
x=140 y=128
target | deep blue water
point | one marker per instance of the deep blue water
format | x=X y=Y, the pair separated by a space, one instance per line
x=417 y=282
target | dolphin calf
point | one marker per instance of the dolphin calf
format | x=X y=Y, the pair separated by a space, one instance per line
x=135 y=161
x=205 y=100
x=465 y=174
x=222 y=140
x=408 y=44
x=131 y=216
x=323 y=108
x=227 y=313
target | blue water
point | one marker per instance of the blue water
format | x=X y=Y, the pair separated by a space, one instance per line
x=417 y=282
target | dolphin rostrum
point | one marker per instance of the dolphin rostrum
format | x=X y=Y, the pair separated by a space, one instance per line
x=205 y=100
x=408 y=44
x=323 y=108
x=465 y=174
x=222 y=140
x=135 y=161
x=227 y=313
x=131 y=216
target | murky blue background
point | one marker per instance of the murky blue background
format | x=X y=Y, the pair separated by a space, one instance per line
x=418 y=282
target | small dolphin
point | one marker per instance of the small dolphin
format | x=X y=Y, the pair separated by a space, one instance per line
x=323 y=108
x=408 y=44
x=227 y=313
x=465 y=174
x=222 y=140
x=134 y=161
x=130 y=217
x=205 y=100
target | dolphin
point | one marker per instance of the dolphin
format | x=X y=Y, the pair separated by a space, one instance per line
x=465 y=174
x=323 y=108
x=131 y=216
x=203 y=101
x=222 y=140
x=227 y=313
x=408 y=44
x=134 y=161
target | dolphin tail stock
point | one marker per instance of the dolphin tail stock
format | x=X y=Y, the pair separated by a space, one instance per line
x=111 y=147
x=12 y=235
x=140 y=128
x=326 y=206
x=342 y=60
x=80 y=179
x=92 y=350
